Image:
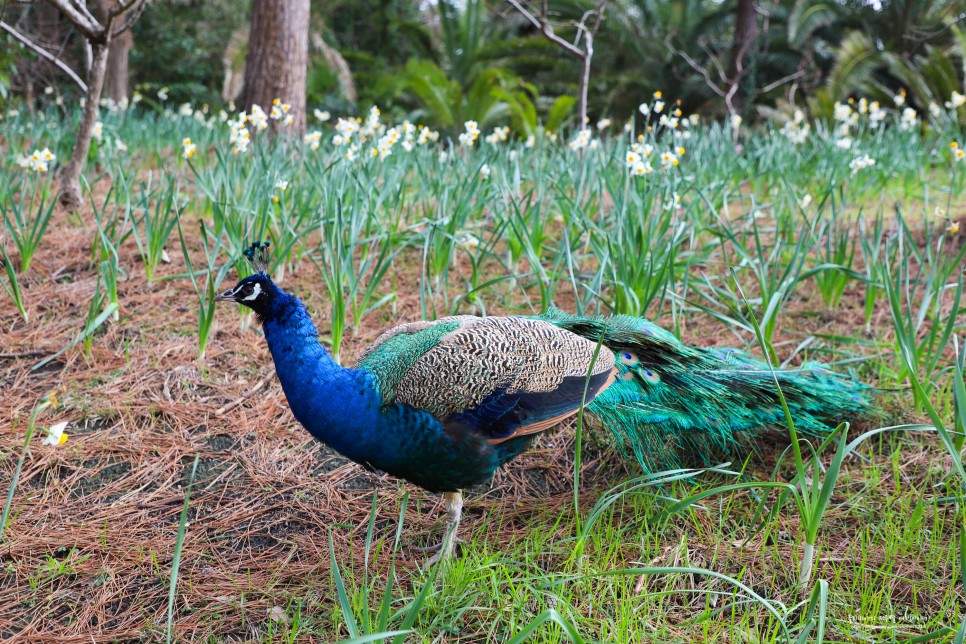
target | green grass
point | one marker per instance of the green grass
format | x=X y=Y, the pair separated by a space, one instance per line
x=857 y=537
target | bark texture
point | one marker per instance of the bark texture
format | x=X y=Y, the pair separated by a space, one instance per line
x=746 y=32
x=278 y=54
x=116 y=81
x=70 y=190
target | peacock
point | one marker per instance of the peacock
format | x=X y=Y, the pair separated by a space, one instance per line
x=444 y=403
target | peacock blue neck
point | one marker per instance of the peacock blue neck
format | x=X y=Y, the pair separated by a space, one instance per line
x=338 y=406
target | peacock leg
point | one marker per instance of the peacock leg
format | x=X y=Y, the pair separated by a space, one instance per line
x=453 y=502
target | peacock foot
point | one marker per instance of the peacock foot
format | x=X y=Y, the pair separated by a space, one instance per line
x=442 y=551
x=446 y=549
x=439 y=546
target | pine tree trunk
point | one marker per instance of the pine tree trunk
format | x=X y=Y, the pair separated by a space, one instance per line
x=278 y=52
x=746 y=31
x=70 y=191
x=116 y=81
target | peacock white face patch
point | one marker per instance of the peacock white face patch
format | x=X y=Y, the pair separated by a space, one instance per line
x=256 y=291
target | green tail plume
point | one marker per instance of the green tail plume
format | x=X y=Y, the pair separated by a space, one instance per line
x=673 y=402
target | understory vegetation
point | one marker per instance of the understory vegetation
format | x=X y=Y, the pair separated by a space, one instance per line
x=182 y=501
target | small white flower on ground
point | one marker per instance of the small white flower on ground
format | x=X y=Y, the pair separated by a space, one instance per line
x=935 y=110
x=956 y=100
x=674 y=202
x=668 y=160
x=842 y=112
x=187 y=149
x=909 y=119
x=797 y=129
x=258 y=118
x=498 y=135
x=844 y=143
x=56 y=435
x=471 y=133
x=98 y=131
x=279 y=110
x=644 y=109
x=861 y=163
x=582 y=140
x=531 y=141
x=805 y=201
x=736 y=121
x=658 y=106
x=485 y=171
x=322 y=116
x=603 y=124
x=467 y=240
x=185 y=109
x=346 y=128
x=280 y=186
x=900 y=98
x=38 y=161
x=239 y=139
x=641 y=169
x=312 y=139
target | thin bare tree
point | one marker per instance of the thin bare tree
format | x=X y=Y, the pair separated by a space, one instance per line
x=117 y=19
x=582 y=48
x=746 y=32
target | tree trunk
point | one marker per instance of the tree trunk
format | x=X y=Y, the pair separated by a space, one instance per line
x=116 y=81
x=278 y=53
x=70 y=191
x=746 y=31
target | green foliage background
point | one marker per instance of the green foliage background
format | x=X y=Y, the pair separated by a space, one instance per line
x=443 y=62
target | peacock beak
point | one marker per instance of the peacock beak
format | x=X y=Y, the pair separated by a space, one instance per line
x=227 y=296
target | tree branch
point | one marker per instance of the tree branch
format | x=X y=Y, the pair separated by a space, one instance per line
x=81 y=17
x=695 y=66
x=546 y=29
x=43 y=53
x=132 y=17
x=781 y=81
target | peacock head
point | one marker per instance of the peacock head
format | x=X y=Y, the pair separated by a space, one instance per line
x=257 y=291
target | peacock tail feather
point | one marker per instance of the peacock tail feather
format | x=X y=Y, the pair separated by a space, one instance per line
x=670 y=400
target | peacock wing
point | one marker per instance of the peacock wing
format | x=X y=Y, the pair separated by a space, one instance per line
x=501 y=377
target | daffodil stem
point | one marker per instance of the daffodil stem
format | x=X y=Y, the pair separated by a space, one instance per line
x=31 y=425
x=808 y=557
